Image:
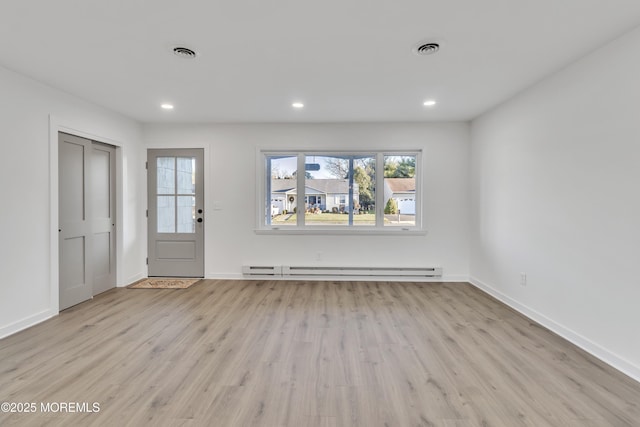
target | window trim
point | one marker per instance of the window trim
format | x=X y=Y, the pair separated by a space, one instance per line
x=263 y=206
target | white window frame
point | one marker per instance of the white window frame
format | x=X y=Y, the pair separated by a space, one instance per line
x=263 y=175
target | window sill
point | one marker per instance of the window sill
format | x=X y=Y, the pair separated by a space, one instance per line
x=342 y=231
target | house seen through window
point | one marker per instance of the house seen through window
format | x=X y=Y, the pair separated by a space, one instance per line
x=361 y=190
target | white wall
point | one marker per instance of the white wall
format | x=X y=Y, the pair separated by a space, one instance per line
x=230 y=177
x=25 y=214
x=555 y=178
x=552 y=192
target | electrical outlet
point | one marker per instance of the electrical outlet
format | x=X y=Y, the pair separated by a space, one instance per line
x=523 y=279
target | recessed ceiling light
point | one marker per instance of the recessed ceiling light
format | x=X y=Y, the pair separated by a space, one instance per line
x=297 y=105
x=429 y=103
x=167 y=106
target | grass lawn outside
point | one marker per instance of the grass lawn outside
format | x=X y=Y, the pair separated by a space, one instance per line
x=343 y=219
x=325 y=218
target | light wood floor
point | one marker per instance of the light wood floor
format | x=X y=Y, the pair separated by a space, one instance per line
x=230 y=353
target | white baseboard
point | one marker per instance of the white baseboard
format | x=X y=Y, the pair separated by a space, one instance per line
x=224 y=276
x=587 y=345
x=455 y=278
x=238 y=276
x=25 y=323
x=132 y=279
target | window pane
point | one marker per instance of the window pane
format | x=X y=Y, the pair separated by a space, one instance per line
x=340 y=189
x=166 y=175
x=186 y=214
x=186 y=175
x=399 y=191
x=166 y=214
x=329 y=199
x=282 y=195
x=364 y=176
x=327 y=190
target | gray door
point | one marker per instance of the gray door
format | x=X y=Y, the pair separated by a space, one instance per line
x=175 y=216
x=102 y=198
x=86 y=211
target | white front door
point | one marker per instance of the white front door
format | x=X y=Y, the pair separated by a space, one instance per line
x=176 y=212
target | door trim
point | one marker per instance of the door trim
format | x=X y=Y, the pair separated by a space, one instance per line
x=56 y=125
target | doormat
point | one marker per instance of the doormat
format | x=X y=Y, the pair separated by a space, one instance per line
x=163 y=283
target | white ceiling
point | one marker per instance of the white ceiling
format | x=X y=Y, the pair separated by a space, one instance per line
x=347 y=60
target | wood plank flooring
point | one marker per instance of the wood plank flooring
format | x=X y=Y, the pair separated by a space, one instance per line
x=266 y=353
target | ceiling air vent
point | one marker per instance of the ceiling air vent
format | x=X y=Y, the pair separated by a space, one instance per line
x=426 y=48
x=184 y=52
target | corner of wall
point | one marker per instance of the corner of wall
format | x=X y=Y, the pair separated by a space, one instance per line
x=573 y=337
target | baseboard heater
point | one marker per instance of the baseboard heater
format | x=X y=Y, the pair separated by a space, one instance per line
x=261 y=270
x=319 y=271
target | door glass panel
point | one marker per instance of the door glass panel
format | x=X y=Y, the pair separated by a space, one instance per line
x=166 y=214
x=186 y=175
x=166 y=173
x=186 y=214
x=176 y=175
